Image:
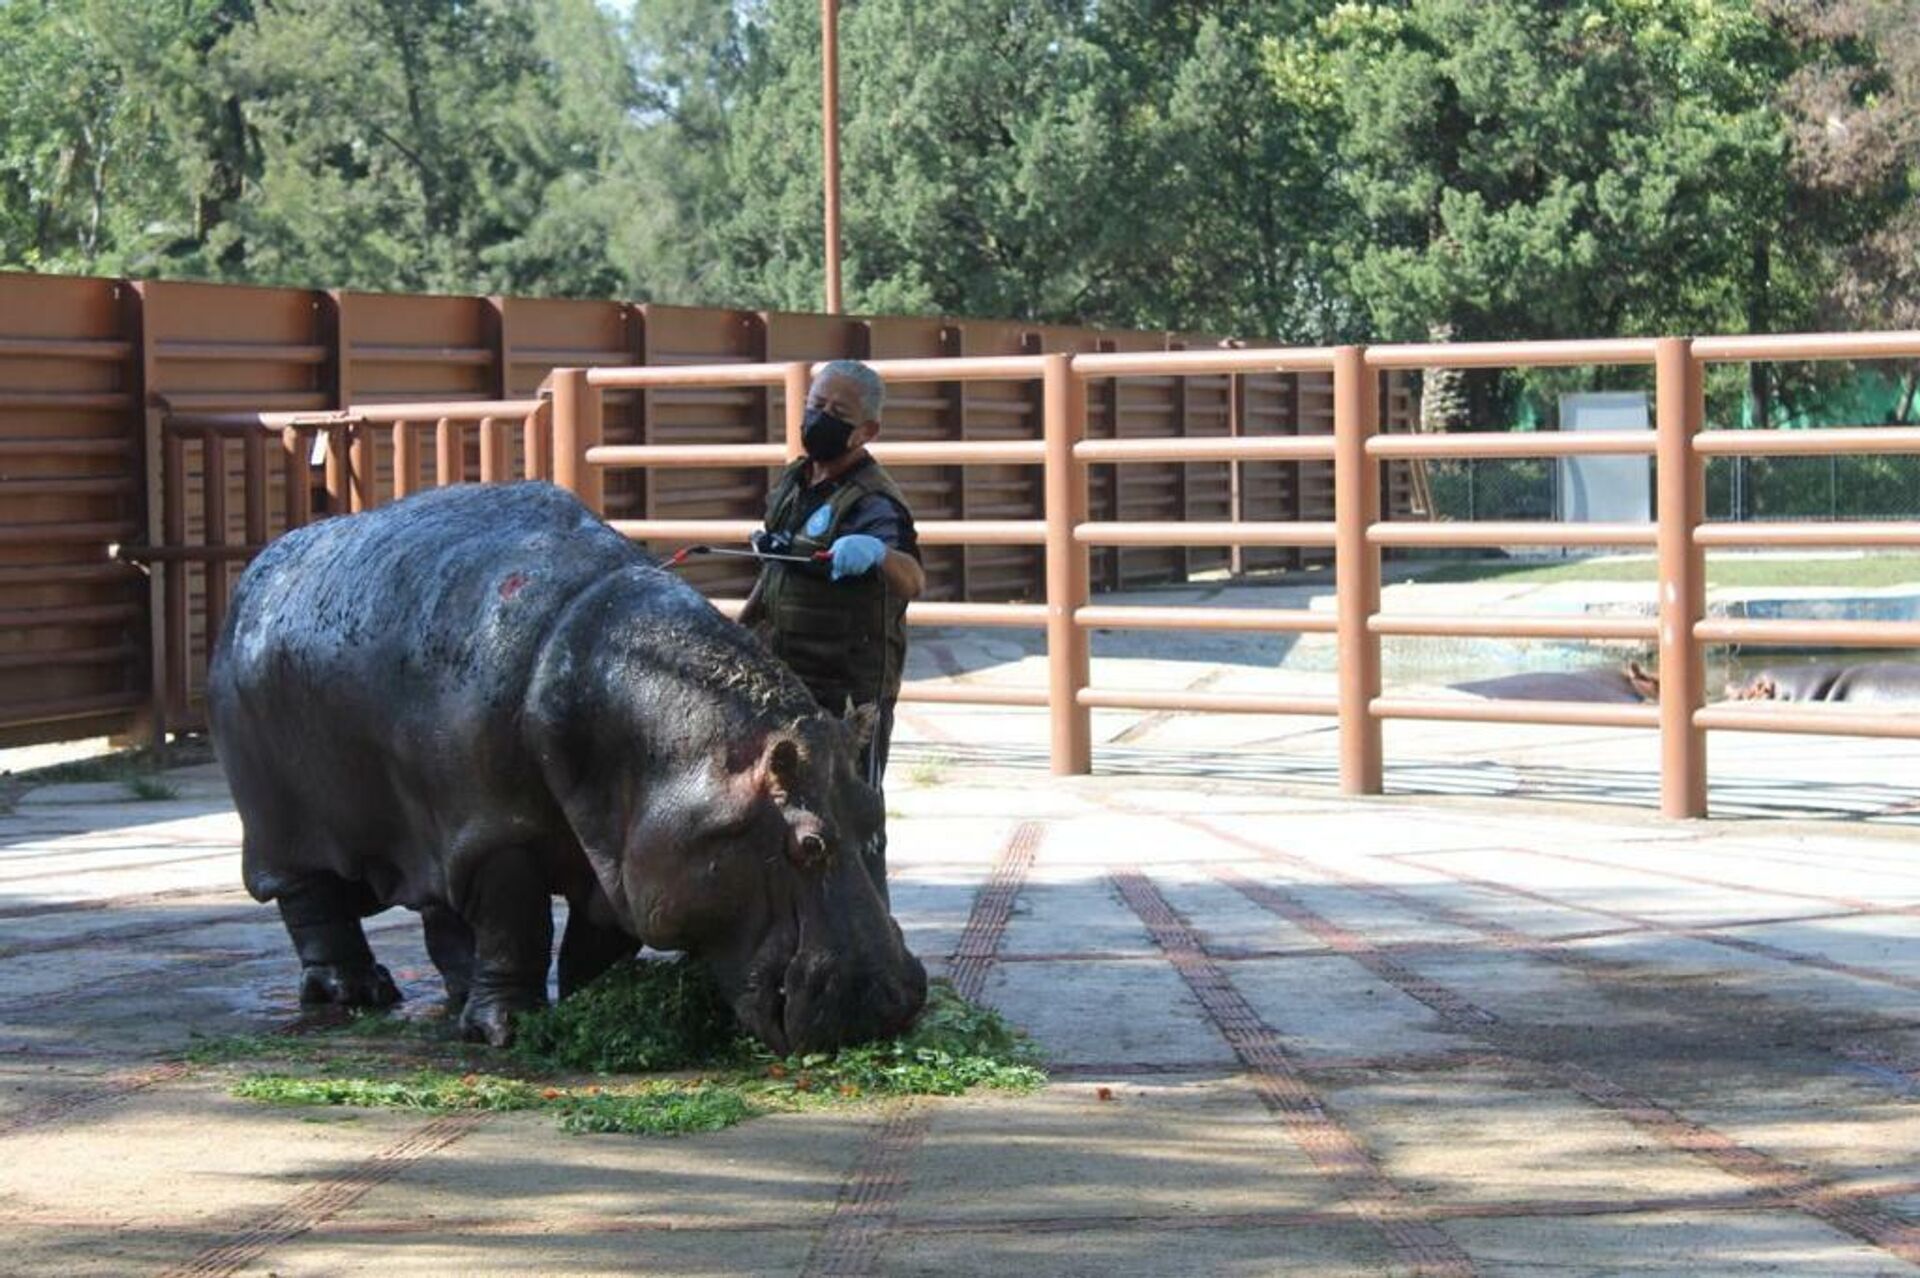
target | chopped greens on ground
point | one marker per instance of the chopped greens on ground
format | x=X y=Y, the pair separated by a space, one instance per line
x=626 y=1030
x=666 y=1109
x=637 y=1017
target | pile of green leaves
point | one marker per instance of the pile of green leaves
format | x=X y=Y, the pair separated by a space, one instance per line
x=637 y=1017
x=640 y=1018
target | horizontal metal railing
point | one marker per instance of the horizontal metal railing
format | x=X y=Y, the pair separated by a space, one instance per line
x=1678 y=445
x=349 y=440
x=563 y=440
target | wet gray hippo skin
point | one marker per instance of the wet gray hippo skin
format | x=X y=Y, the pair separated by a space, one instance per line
x=1870 y=681
x=480 y=697
x=1581 y=685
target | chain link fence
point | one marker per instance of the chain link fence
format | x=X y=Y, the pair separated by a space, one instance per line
x=1738 y=488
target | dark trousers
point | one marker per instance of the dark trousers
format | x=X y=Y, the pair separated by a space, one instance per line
x=873 y=760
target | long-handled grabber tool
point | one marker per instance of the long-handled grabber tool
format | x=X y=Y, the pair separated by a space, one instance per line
x=681 y=555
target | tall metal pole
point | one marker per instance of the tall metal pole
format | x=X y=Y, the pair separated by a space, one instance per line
x=1680 y=502
x=830 y=127
x=1356 y=564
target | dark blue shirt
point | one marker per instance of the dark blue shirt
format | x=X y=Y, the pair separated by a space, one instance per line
x=873 y=515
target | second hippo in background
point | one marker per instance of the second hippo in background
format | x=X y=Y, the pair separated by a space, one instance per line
x=1629 y=685
x=1881 y=682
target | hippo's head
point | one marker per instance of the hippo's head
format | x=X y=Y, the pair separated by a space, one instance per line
x=763 y=861
x=721 y=812
x=1762 y=687
x=825 y=963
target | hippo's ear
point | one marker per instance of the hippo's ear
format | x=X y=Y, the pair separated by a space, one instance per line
x=1646 y=685
x=861 y=722
x=780 y=766
x=1764 y=688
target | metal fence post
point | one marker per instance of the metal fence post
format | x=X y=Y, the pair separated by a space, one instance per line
x=576 y=428
x=1068 y=659
x=798 y=382
x=1679 y=390
x=1356 y=507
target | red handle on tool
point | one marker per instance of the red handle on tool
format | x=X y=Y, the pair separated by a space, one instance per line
x=679 y=556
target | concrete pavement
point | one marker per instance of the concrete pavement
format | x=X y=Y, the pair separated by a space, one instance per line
x=1437 y=1032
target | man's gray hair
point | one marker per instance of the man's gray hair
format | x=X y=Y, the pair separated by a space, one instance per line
x=873 y=391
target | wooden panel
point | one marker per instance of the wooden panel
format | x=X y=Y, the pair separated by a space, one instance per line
x=1205 y=409
x=1148 y=407
x=538 y=335
x=1002 y=410
x=927 y=411
x=394 y=348
x=1268 y=490
x=222 y=348
x=74 y=644
x=675 y=335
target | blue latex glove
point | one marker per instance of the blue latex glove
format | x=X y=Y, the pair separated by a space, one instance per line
x=857 y=553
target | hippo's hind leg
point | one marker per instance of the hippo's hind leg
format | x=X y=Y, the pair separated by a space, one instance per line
x=593 y=941
x=450 y=944
x=322 y=913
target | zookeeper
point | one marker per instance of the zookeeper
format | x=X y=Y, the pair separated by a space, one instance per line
x=840 y=624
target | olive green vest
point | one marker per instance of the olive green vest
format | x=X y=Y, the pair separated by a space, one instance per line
x=847 y=638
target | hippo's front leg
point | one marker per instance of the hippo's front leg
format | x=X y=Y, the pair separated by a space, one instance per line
x=594 y=940
x=505 y=898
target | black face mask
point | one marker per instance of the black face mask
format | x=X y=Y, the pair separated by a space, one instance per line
x=824 y=436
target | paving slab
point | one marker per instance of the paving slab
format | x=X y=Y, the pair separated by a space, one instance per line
x=1150 y=1148
x=1480 y=1136
x=1696 y=1245
x=1542 y=1032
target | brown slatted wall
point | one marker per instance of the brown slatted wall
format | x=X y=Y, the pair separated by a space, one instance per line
x=674 y=335
x=1204 y=405
x=214 y=348
x=221 y=348
x=1145 y=408
x=1267 y=489
x=927 y=411
x=398 y=349
x=73 y=641
x=538 y=335
x=1002 y=410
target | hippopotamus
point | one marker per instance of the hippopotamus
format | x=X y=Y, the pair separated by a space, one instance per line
x=1869 y=681
x=481 y=697
x=1631 y=684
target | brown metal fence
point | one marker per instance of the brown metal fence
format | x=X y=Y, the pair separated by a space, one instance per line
x=73 y=638
x=1067 y=457
x=191 y=422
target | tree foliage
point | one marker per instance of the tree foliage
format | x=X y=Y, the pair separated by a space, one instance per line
x=1305 y=170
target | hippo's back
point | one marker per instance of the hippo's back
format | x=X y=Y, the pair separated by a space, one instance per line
x=365 y=693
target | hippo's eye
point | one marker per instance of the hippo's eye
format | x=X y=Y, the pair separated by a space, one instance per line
x=808 y=851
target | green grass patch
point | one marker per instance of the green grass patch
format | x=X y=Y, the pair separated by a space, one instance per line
x=1865 y=571
x=123 y=765
x=930 y=769
x=624 y=1030
x=152 y=788
x=223 y=1049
